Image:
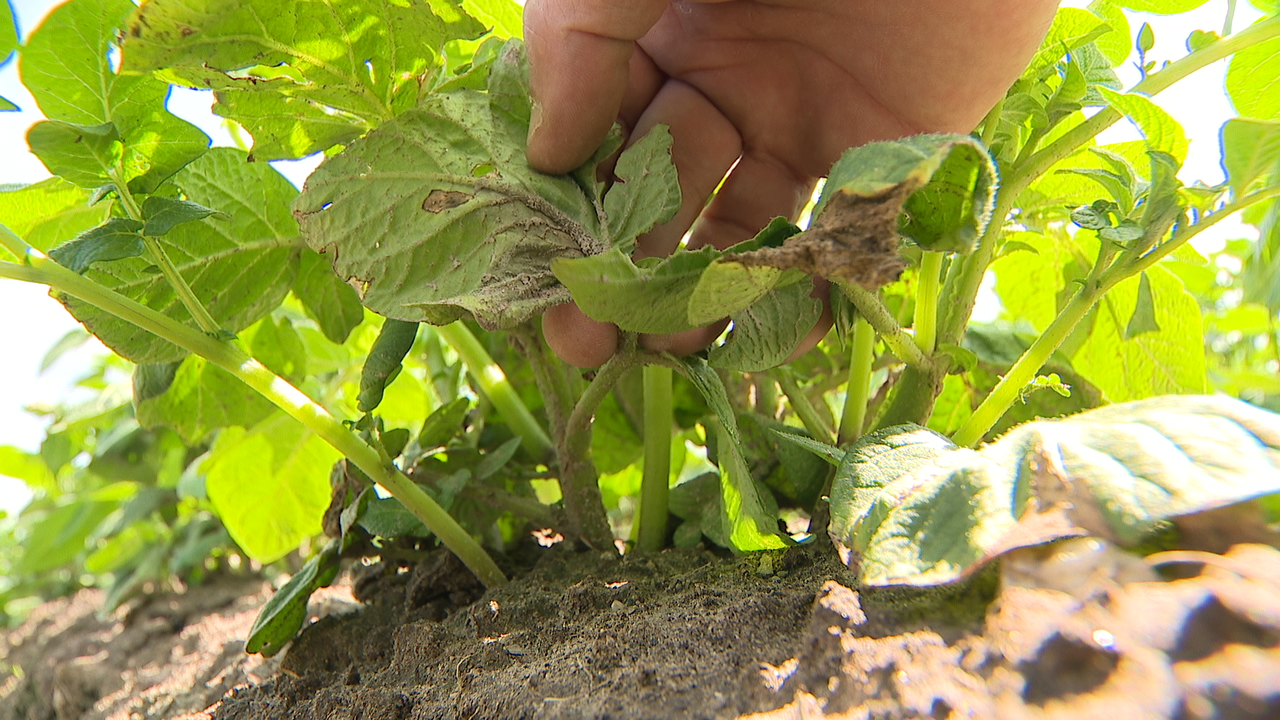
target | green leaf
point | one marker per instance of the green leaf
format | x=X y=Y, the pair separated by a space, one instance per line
x=768 y=330
x=299 y=75
x=1251 y=80
x=698 y=502
x=1071 y=28
x=7 y=105
x=8 y=32
x=919 y=512
x=162 y=214
x=282 y=616
x=646 y=192
x=504 y=18
x=1146 y=38
x=240 y=268
x=1030 y=284
x=67 y=66
x=1250 y=154
x=383 y=363
x=82 y=154
x=444 y=424
x=388 y=518
x=49 y=212
x=437 y=212
x=59 y=536
x=115 y=239
x=1116 y=44
x=747 y=523
x=615 y=442
x=1201 y=38
x=1161 y=7
x=948 y=213
x=790 y=470
x=28 y=468
x=1166 y=361
x=953 y=407
x=829 y=453
x=1143 y=319
x=1162 y=132
x=279 y=348
x=269 y=485
x=332 y=303
x=494 y=460
x=197 y=400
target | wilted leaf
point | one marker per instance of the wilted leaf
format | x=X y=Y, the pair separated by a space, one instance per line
x=918 y=511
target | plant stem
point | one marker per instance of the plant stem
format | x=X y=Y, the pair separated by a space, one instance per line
x=658 y=415
x=38 y=268
x=203 y=319
x=992 y=123
x=1070 y=141
x=813 y=421
x=1230 y=20
x=579 y=480
x=861 y=357
x=493 y=381
x=870 y=308
x=926 y=320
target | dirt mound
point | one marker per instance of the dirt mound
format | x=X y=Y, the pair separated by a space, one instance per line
x=1076 y=630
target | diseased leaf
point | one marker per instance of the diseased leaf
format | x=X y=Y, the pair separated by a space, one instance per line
x=646 y=192
x=917 y=511
x=240 y=268
x=161 y=214
x=438 y=213
x=1250 y=154
x=768 y=330
x=1169 y=360
x=1162 y=132
x=1252 y=77
x=299 y=75
x=269 y=485
x=197 y=400
x=748 y=524
x=115 y=239
x=282 y=616
x=333 y=304
x=854 y=234
x=82 y=154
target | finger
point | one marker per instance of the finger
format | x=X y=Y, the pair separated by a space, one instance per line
x=579 y=53
x=757 y=190
x=576 y=338
x=704 y=146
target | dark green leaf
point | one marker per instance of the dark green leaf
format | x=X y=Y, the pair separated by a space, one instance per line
x=115 y=239
x=271 y=72
x=767 y=331
x=196 y=398
x=332 y=303
x=395 y=440
x=161 y=214
x=698 y=502
x=82 y=154
x=615 y=442
x=388 y=518
x=241 y=268
x=793 y=472
x=1115 y=472
x=282 y=616
x=494 y=460
x=1250 y=153
x=1143 y=319
x=444 y=424
x=383 y=363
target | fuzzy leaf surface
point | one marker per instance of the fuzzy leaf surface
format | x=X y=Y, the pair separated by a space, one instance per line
x=769 y=329
x=920 y=512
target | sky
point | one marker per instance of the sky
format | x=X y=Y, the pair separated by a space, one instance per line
x=31 y=322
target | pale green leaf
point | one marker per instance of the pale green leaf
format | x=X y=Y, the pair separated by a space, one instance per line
x=1253 y=80
x=7 y=105
x=28 y=468
x=646 y=192
x=1115 y=44
x=278 y=346
x=82 y=154
x=332 y=303
x=1251 y=153
x=1167 y=361
x=1143 y=319
x=1030 y=284
x=8 y=32
x=201 y=398
x=953 y=407
x=1161 y=131
x=1071 y=28
x=269 y=485
x=769 y=329
x=240 y=268
x=115 y=239
x=1161 y=7
x=49 y=212
x=299 y=75
x=919 y=512
x=504 y=18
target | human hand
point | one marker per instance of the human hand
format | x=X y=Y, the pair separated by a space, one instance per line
x=780 y=87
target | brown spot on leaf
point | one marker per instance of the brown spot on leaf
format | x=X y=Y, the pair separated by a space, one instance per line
x=440 y=200
x=855 y=238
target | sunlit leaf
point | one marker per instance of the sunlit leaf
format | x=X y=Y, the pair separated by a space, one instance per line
x=1250 y=153
x=199 y=399
x=1162 y=132
x=1252 y=78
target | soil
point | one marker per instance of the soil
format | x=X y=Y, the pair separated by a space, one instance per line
x=1075 y=630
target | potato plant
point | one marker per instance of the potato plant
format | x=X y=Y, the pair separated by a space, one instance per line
x=298 y=359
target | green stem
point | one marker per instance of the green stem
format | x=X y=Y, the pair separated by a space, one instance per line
x=658 y=414
x=38 y=268
x=863 y=354
x=992 y=123
x=493 y=381
x=926 y=320
x=869 y=307
x=1071 y=141
x=813 y=421
x=579 y=480
x=1184 y=235
x=199 y=313
x=964 y=277
x=1231 y=17
x=441 y=378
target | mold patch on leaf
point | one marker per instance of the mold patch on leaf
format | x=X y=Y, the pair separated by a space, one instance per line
x=440 y=200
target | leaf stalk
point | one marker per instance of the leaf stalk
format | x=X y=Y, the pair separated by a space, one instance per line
x=655 y=484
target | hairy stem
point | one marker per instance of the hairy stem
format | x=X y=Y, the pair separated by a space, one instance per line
x=869 y=307
x=38 y=268
x=812 y=420
x=493 y=381
x=658 y=416
x=926 y=320
x=579 y=480
x=861 y=357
